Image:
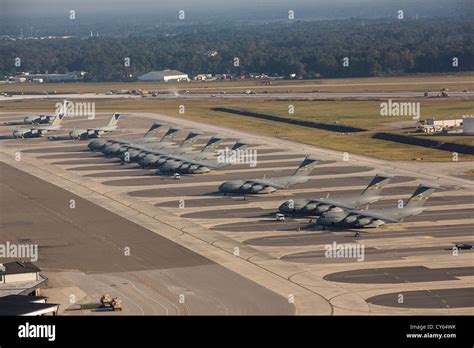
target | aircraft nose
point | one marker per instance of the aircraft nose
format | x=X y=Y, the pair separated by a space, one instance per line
x=226 y=187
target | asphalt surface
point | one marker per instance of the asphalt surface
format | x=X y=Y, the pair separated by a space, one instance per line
x=436 y=298
x=92 y=240
x=411 y=274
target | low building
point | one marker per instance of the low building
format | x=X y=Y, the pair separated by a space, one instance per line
x=67 y=77
x=21 y=305
x=20 y=277
x=20 y=271
x=436 y=126
x=468 y=125
x=20 y=283
x=164 y=76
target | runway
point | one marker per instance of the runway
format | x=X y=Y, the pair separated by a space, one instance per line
x=271 y=95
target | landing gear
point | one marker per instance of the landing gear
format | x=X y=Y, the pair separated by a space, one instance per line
x=357 y=235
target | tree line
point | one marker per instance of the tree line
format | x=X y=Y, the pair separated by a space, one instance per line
x=330 y=48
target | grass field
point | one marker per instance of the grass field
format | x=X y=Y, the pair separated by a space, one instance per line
x=415 y=83
x=364 y=114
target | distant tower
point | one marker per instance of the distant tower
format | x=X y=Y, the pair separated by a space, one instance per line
x=92 y=33
x=97 y=34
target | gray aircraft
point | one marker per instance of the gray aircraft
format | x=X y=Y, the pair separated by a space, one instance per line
x=195 y=164
x=272 y=184
x=95 y=132
x=158 y=158
x=34 y=120
x=377 y=217
x=98 y=144
x=317 y=206
x=138 y=153
x=146 y=154
x=39 y=131
x=115 y=149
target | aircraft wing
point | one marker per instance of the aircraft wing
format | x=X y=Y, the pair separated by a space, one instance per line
x=332 y=203
x=264 y=182
x=105 y=128
x=47 y=128
x=206 y=163
x=212 y=164
x=372 y=214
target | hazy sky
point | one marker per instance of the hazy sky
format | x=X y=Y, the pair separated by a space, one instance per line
x=46 y=15
x=39 y=7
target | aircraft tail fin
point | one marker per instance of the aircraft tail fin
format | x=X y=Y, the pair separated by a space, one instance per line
x=420 y=196
x=114 y=119
x=377 y=184
x=57 y=120
x=240 y=145
x=212 y=144
x=152 y=129
x=307 y=165
x=170 y=134
x=190 y=139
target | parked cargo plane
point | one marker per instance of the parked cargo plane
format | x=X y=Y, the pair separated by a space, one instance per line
x=35 y=120
x=156 y=159
x=147 y=155
x=39 y=131
x=269 y=185
x=377 y=217
x=95 y=132
x=97 y=145
x=189 y=164
x=165 y=141
x=317 y=206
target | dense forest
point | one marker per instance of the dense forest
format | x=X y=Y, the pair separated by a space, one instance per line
x=375 y=47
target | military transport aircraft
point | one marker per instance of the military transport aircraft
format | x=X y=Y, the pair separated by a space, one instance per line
x=157 y=158
x=35 y=120
x=196 y=163
x=269 y=185
x=377 y=217
x=39 y=131
x=117 y=146
x=97 y=145
x=317 y=206
x=96 y=132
